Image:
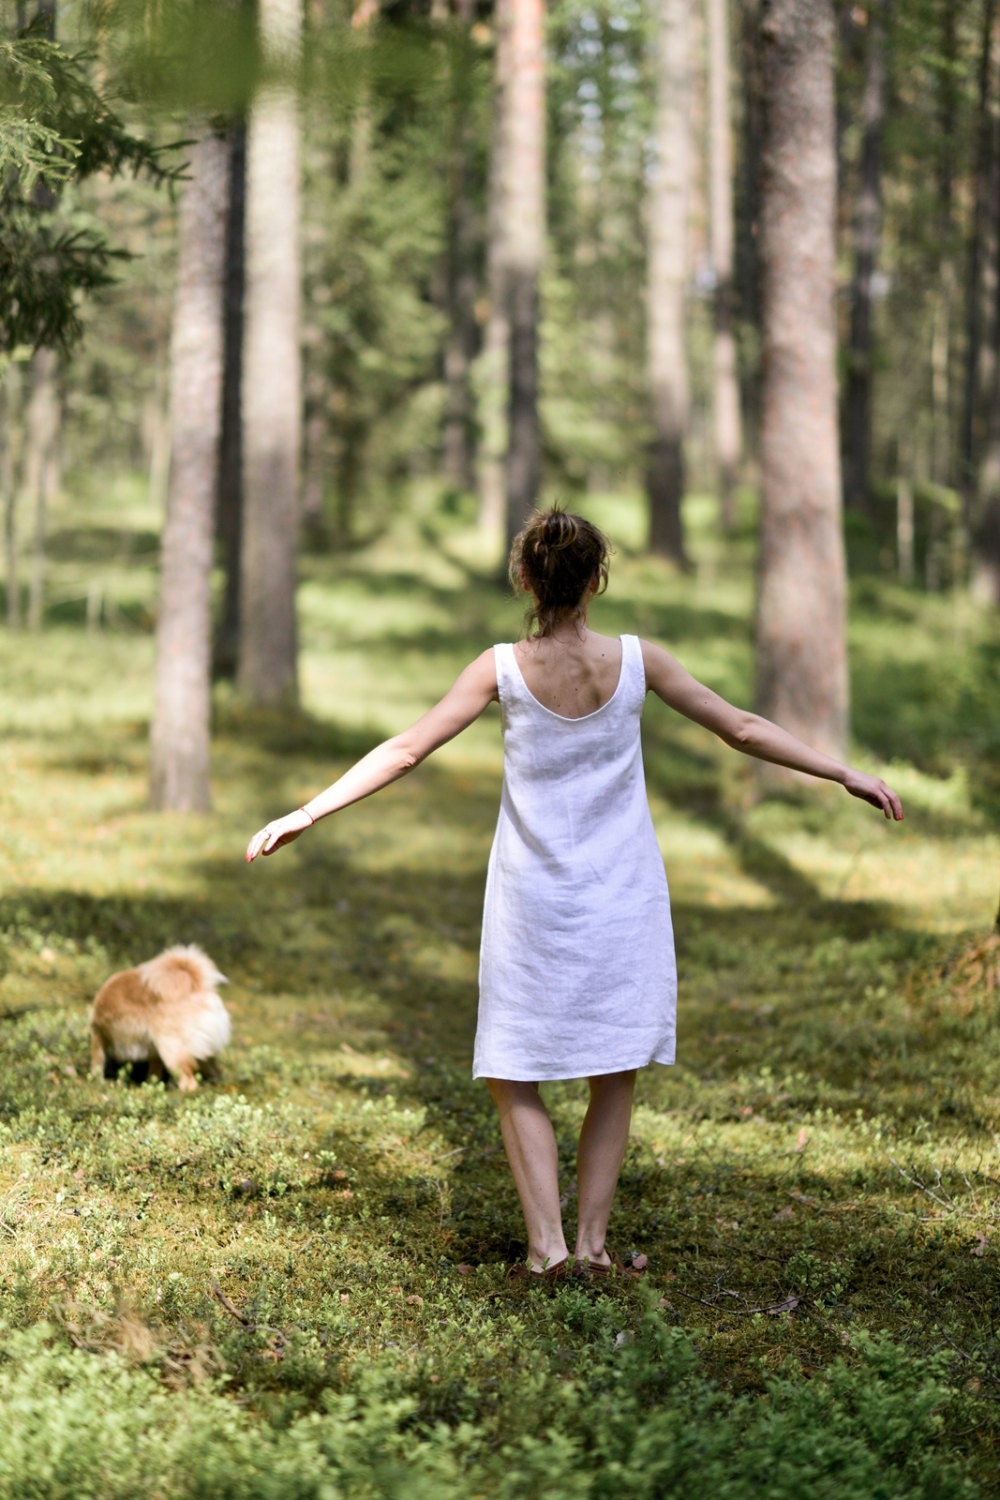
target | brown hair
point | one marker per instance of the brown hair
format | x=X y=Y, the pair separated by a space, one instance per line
x=557 y=556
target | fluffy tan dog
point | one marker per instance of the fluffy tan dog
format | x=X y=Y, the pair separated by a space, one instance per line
x=164 y=1013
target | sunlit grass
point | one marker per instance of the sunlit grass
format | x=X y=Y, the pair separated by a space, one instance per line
x=821 y=1164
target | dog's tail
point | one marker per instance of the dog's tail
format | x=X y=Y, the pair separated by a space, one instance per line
x=181 y=970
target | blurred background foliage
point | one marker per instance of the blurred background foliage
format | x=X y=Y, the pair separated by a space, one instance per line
x=378 y=104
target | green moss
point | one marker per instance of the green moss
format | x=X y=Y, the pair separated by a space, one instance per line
x=298 y=1275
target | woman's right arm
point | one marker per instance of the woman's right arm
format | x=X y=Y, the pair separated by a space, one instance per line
x=464 y=701
x=754 y=735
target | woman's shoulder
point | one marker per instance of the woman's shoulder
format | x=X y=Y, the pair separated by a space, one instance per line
x=482 y=669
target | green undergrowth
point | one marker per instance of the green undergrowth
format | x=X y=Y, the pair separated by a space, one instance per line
x=641 y=1418
x=292 y=1283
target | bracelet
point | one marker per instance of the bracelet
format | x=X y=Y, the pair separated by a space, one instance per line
x=308 y=815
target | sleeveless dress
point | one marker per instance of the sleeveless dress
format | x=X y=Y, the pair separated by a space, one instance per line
x=577 y=974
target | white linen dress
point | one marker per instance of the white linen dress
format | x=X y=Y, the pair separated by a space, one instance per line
x=577 y=975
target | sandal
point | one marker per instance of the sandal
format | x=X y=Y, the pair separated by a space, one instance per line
x=619 y=1265
x=523 y=1272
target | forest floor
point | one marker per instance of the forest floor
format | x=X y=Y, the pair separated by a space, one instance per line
x=292 y=1283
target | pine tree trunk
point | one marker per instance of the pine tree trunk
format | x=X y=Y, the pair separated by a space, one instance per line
x=41 y=469
x=867 y=234
x=179 y=750
x=10 y=468
x=272 y=405
x=524 y=243
x=493 y=371
x=728 y=435
x=980 y=279
x=667 y=354
x=229 y=500
x=801 y=625
x=43 y=414
x=460 y=347
x=945 y=299
x=983 y=496
x=748 y=209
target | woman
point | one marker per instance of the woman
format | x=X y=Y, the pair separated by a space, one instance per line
x=577 y=974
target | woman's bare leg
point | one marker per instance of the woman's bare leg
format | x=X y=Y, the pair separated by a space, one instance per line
x=530 y=1143
x=601 y=1151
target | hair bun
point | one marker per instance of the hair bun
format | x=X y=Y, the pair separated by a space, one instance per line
x=558 y=556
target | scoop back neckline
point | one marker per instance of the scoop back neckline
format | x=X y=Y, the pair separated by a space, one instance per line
x=578 y=718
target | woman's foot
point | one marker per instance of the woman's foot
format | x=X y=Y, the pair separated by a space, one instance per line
x=607 y=1263
x=524 y=1271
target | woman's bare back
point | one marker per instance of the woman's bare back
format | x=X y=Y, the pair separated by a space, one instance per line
x=571 y=674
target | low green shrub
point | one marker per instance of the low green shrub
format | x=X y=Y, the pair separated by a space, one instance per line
x=641 y=1419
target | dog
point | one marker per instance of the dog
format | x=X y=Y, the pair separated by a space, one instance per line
x=165 y=1014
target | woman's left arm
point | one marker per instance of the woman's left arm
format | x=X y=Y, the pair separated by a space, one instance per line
x=464 y=701
x=754 y=735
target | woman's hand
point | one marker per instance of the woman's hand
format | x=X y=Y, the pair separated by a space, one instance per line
x=278 y=833
x=872 y=789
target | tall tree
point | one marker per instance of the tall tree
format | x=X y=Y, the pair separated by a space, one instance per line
x=981 y=280
x=493 y=364
x=726 y=404
x=801 y=624
x=41 y=467
x=980 y=436
x=272 y=415
x=42 y=426
x=857 y=436
x=55 y=127
x=10 y=455
x=461 y=271
x=523 y=154
x=747 y=259
x=667 y=275
x=229 y=505
x=943 y=320
x=179 y=749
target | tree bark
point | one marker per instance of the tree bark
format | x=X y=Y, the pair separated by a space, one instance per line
x=801 y=612
x=272 y=415
x=983 y=499
x=747 y=250
x=10 y=471
x=867 y=236
x=981 y=272
x=524 y=243
x=667 y=269
x=944 y=306
x=41 y=468
x=728 y=435
x=460 y=346
x=179 y=750
x=229 y=499
x=493 y=370
x=42 y=414
x=949 y=75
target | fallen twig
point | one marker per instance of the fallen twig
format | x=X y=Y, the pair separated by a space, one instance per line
x=220 y=1296
x=915 y=1182
x=234 y=1312
x=723 y=1292
x=789 y=1304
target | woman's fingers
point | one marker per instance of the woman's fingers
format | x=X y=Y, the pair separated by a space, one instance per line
x=889 y=803
x=874 y=791
x=265 y=842
x=282 y=831
x=255 y=845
